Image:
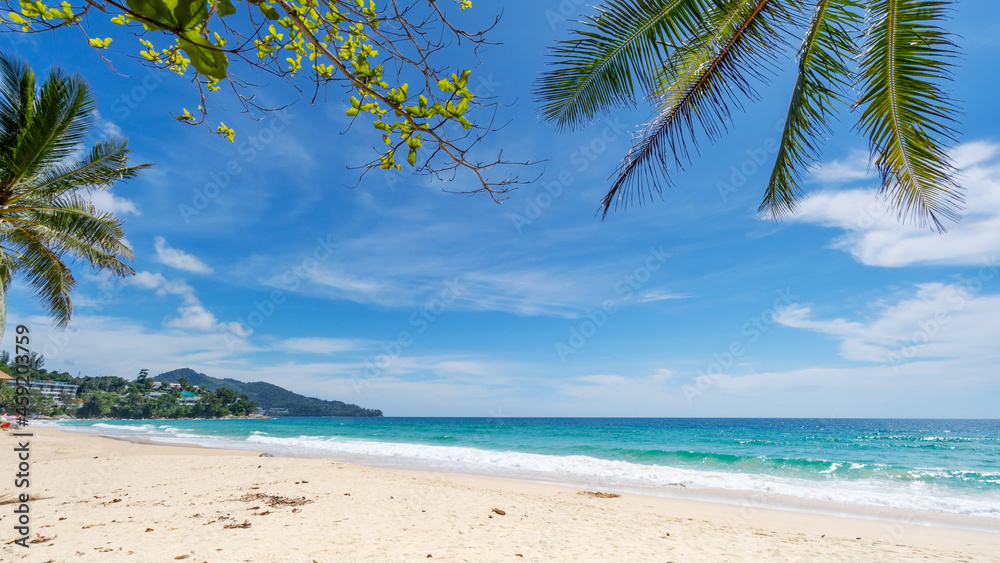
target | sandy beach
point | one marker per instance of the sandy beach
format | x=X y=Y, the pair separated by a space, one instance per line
x=99 y=499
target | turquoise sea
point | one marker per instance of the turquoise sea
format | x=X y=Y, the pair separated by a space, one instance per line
x=939 y=466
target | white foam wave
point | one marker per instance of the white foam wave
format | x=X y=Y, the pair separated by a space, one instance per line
x=585 y=469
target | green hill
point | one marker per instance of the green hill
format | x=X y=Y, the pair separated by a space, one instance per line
x=268 y=396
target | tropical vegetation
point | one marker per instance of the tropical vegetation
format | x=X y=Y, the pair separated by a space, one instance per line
x=46 y=215
x=698 y=60
x=115 y=397
x=388 y=62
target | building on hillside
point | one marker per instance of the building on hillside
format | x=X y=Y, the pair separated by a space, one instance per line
x=59 y=392
x=187 y=399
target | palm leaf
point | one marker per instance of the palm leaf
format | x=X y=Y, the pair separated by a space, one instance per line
x=699 y=86
x=49 y=277
x=907 y=115
x=613 y=55
x=63 y=115
x=44 y=217
x=824 y=76
x=107 y=163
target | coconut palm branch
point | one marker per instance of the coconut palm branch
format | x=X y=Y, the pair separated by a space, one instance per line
x=907 y=115
x=698 y=87
x=705 y=62
x=45 y=217
x=823 y=80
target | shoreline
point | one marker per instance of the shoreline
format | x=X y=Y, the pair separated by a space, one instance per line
x=743 y=500
x=96 y=498
x=739 y=499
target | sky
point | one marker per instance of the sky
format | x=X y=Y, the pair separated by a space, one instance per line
x=260 y=260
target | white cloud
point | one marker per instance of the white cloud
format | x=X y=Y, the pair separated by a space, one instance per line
x=661 y=295
x=854 y=167
x=198 y=318
x=419 y=261
x=176 y=258
x=147 y=280
x=319 y=346
x=604 y=379
x=107 y=201
x=936 y=322
x=192 y=314
x=875 y=237
x=108 y=128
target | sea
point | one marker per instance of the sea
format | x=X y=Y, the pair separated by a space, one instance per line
x=940 y=471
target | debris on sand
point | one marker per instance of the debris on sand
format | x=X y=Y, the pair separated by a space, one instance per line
x=274 y=501
x=598 y=494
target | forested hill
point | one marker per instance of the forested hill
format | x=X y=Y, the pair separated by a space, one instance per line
x=268 y=396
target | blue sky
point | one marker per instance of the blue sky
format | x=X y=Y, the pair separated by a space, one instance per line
x=395 y=295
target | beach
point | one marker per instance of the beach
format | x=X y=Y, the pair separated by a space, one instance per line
x=101 y=499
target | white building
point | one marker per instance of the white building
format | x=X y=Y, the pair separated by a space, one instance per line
x=58 y=391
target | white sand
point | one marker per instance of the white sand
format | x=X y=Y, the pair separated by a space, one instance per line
x=111 y=500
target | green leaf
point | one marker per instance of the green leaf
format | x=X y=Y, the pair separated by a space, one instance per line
x=269 y=12
x=824 y=77
x=908 y=114
x=155 y=10
x=698 y=89
x=614 y=56
x=189 y=13
x=206 y=58
x=176 y=14
x=224 y=8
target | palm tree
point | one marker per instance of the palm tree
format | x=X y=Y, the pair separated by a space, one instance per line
x=45 y=175
x=698 y=59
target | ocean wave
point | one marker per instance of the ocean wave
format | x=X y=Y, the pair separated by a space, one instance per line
x=915 y=495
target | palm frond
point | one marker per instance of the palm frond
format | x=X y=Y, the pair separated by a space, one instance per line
x=49 y=277
x=72 y=224
x=17 y=100
x=907 y=115
x=613 y=55
x=823 y=78
x=63 y=115
x=107 y=163
x=699 y=87
x=44 y=216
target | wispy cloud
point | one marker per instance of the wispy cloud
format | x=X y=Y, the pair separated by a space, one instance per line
x=416 y=258
x=660 y=295
x=937 y=321
x=875 y=237
x=192 y=315
x=851 y=169
x=105 y=200
x=320 y=346
x=176 y=258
